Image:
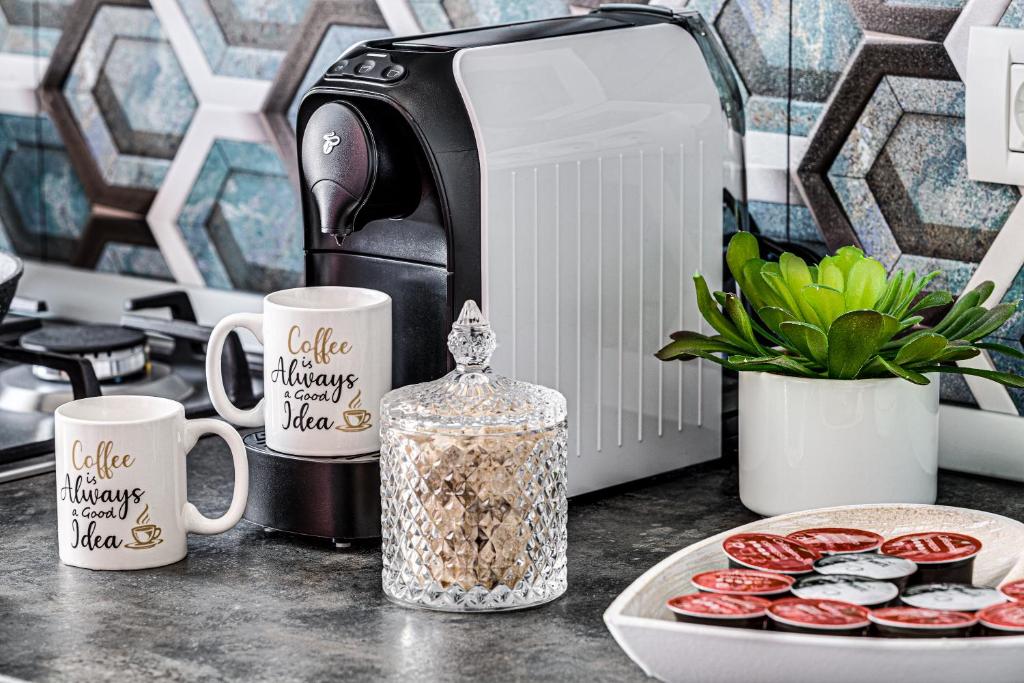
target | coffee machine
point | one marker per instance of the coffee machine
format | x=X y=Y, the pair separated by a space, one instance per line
x=570 y=175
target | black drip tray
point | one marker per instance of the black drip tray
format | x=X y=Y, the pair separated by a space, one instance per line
x=331 y=498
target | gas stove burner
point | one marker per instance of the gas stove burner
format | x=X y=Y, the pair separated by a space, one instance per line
x=116 y=353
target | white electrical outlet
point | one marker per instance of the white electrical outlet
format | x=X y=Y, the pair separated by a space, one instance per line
x=995 y=105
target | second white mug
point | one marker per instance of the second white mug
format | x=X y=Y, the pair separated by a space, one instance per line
x=326 y=365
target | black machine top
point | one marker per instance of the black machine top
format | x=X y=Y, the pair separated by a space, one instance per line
x=608 y=16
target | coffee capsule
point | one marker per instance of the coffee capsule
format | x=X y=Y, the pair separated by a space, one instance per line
x=1002 y=620
x=916 y=622
x=895 y=570
x=845 y=588
x=1014 y=590
x=824 y=617
x=941 y=556
x=742 y=582
x=713 y=609
x=958 y=597
x=769 y=553
x=837 y=540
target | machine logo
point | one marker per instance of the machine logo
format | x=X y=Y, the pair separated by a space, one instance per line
x=331 y=140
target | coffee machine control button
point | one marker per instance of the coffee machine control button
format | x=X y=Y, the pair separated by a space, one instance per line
x=339 y=68
x=393 y=72
x=365 y=67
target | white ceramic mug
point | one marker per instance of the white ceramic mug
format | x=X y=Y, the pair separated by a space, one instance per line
x=121 y=500
x=326 y=365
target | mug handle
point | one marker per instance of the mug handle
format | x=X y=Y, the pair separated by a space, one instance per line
x=253 y=322
x=193 y=519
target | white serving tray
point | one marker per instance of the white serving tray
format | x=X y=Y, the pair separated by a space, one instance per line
x=675 y=651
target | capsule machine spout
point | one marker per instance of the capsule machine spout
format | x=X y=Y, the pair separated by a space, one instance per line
x=338 y=165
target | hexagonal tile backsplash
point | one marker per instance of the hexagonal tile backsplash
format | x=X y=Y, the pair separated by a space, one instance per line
x=122 y=83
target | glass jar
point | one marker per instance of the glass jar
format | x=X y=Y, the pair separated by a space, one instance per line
x=473 y=485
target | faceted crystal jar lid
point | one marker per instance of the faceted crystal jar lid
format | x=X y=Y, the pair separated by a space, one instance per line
x=472 y=400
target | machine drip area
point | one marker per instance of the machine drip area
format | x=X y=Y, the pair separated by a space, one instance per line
x=333 y=499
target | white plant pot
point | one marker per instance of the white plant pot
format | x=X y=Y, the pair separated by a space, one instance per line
x=812 y=443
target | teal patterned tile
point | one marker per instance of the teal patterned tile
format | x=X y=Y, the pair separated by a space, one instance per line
x=129 y=259
x=337 y=39
x=1013 y=17
x=771 y=221
x=931 y=4
x=244 y=38
x=241 y=219
x=431 y=15
x=1014 y=327
x=925 y=96
x=866 y=217
x=757 y=35
x=929 y=155
x=31 y=27
x=865 y=141
x=43 y=207
x=769 y=115
x=129 y=97
x=483 y=12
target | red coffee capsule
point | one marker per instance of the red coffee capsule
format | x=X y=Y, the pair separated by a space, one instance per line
x=742 y=582
x=1006 y=619
x=915 y=622
x=818 y=616
x=1014 y=590
x=837 y=540
x=719 y=610
x=770 y=553
x=933 y=547
x=941 y=556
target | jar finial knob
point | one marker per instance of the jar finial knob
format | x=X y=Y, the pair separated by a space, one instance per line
x=471 y=340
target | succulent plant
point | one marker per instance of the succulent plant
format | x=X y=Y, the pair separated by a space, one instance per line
x=843 y=318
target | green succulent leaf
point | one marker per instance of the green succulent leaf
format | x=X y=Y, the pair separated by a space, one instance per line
x=1000 y=348
x=865 y=284
x=808 y=339
x=966 y=302
x=903 y=372
x=756 y=289
x=715 y=317
x=827 y=303
x=922 y=349
x=854 y=338
x=780 y=288
x=774 y=316
x=965 y=322
x=739 y=317
x=743 y=248
x=689 y=345
x=845 y=258
x=932 y=300
x=993 y=319
x=892 y=290
x=798 y=276
x=957 y=351
x=1004 y=378
x=829 y=274
x=791 y=365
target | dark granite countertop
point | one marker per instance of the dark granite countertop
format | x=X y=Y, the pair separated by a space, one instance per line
x=253 y=605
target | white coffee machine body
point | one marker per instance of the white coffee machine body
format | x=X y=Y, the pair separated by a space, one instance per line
x=571 y=174
x=601 y=176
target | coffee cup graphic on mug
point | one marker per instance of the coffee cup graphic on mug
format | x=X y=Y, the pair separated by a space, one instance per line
x=121 y=482
x=326 y=365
